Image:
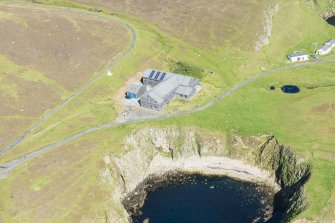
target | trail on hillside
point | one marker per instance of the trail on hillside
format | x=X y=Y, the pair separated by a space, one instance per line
x=85 y=86
x=6 y=168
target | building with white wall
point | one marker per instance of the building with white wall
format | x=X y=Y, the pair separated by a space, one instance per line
x=298 y=57
x=326 y=48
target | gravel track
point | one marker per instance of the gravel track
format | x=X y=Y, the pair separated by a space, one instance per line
x=6 y=168
x=82 y=88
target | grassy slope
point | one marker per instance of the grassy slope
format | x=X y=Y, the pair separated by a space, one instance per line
x=15 y=81
x=200 y=22
x=63 y=186
x=252 y=110
x=294 y=119
x=324 y=5
x=26 y=91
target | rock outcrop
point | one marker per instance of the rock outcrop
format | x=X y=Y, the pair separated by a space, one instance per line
x=152 y=151
x=327 y=11
x=263 y=37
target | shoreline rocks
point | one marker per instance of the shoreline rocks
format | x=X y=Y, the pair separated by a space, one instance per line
x=260 y=159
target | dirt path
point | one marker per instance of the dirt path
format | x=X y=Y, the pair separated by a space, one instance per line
x=6 y=168
x=86 y=85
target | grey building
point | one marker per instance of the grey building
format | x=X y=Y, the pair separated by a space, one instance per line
x=185 y=92
x=298 y=56
x=154 y=77
x=326 y=48
x=135 y=91
x=166 y=86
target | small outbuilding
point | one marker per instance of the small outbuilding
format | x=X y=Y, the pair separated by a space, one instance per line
x=326 y=48
x=135 y=91
x=298 y=57
x=185 y=92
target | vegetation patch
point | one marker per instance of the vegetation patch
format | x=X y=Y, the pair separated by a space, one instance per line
x=188 y=69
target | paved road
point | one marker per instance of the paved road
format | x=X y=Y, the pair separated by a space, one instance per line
x=6 y=168
x=85 y=86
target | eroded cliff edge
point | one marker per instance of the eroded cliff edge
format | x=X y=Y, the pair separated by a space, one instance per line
x=156 y=151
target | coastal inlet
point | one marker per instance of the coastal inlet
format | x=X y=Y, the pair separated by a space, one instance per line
x=331 y=21
x=184 y=197
x=185 y=175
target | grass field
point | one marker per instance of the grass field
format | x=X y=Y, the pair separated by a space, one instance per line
x=200 y=23
x=324 y=7
x=70 y=177
x=45 y=55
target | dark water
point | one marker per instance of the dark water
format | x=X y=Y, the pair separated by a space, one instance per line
x=290 y=89
x=203 y=199
x=331 y=20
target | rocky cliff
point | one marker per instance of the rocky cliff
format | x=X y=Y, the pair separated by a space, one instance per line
x=157 y=150
x=326 y=8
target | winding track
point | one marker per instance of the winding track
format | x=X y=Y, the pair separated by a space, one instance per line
x=85 y=86
x=6 y=168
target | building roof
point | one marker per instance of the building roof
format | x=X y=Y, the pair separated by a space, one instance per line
x=169 y=82
x=330 y=42
x=164 y=89
x=325 y=48
x=296 y=54
x=162 y=76
x=184 y=80
x=182 y=90
x=156 y=75
x=134 y=89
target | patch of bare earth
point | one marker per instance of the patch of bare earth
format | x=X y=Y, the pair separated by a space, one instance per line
x=63 y=46
x=208 y=23
x=324 y=108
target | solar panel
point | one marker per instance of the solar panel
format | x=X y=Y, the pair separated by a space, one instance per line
x=156 y=77
x=162 y=77
x=151 y=74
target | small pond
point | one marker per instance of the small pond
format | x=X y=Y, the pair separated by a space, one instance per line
x=331 y=20
x=197 y=199
x=290 y=89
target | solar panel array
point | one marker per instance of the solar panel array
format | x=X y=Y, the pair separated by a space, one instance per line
x=162 y=77
x=157 y=75
x=151 y=74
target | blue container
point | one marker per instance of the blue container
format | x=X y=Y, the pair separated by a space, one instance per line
x=131 y=95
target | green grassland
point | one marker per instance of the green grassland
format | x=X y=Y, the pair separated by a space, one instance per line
x=323 y=6
x=66 y=184
x=37 y=69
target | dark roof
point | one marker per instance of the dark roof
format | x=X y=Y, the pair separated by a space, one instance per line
x=156 y=75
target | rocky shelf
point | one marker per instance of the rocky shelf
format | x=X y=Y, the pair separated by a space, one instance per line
x=260 y=159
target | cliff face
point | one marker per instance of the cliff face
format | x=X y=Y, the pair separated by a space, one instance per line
x=326 y=8
x=144 y=146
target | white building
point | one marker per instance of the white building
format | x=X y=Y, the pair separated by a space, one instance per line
x=298 y=57
x=326 y=48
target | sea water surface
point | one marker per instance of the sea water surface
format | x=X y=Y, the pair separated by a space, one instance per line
x=199 y=199
x=331 y=20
